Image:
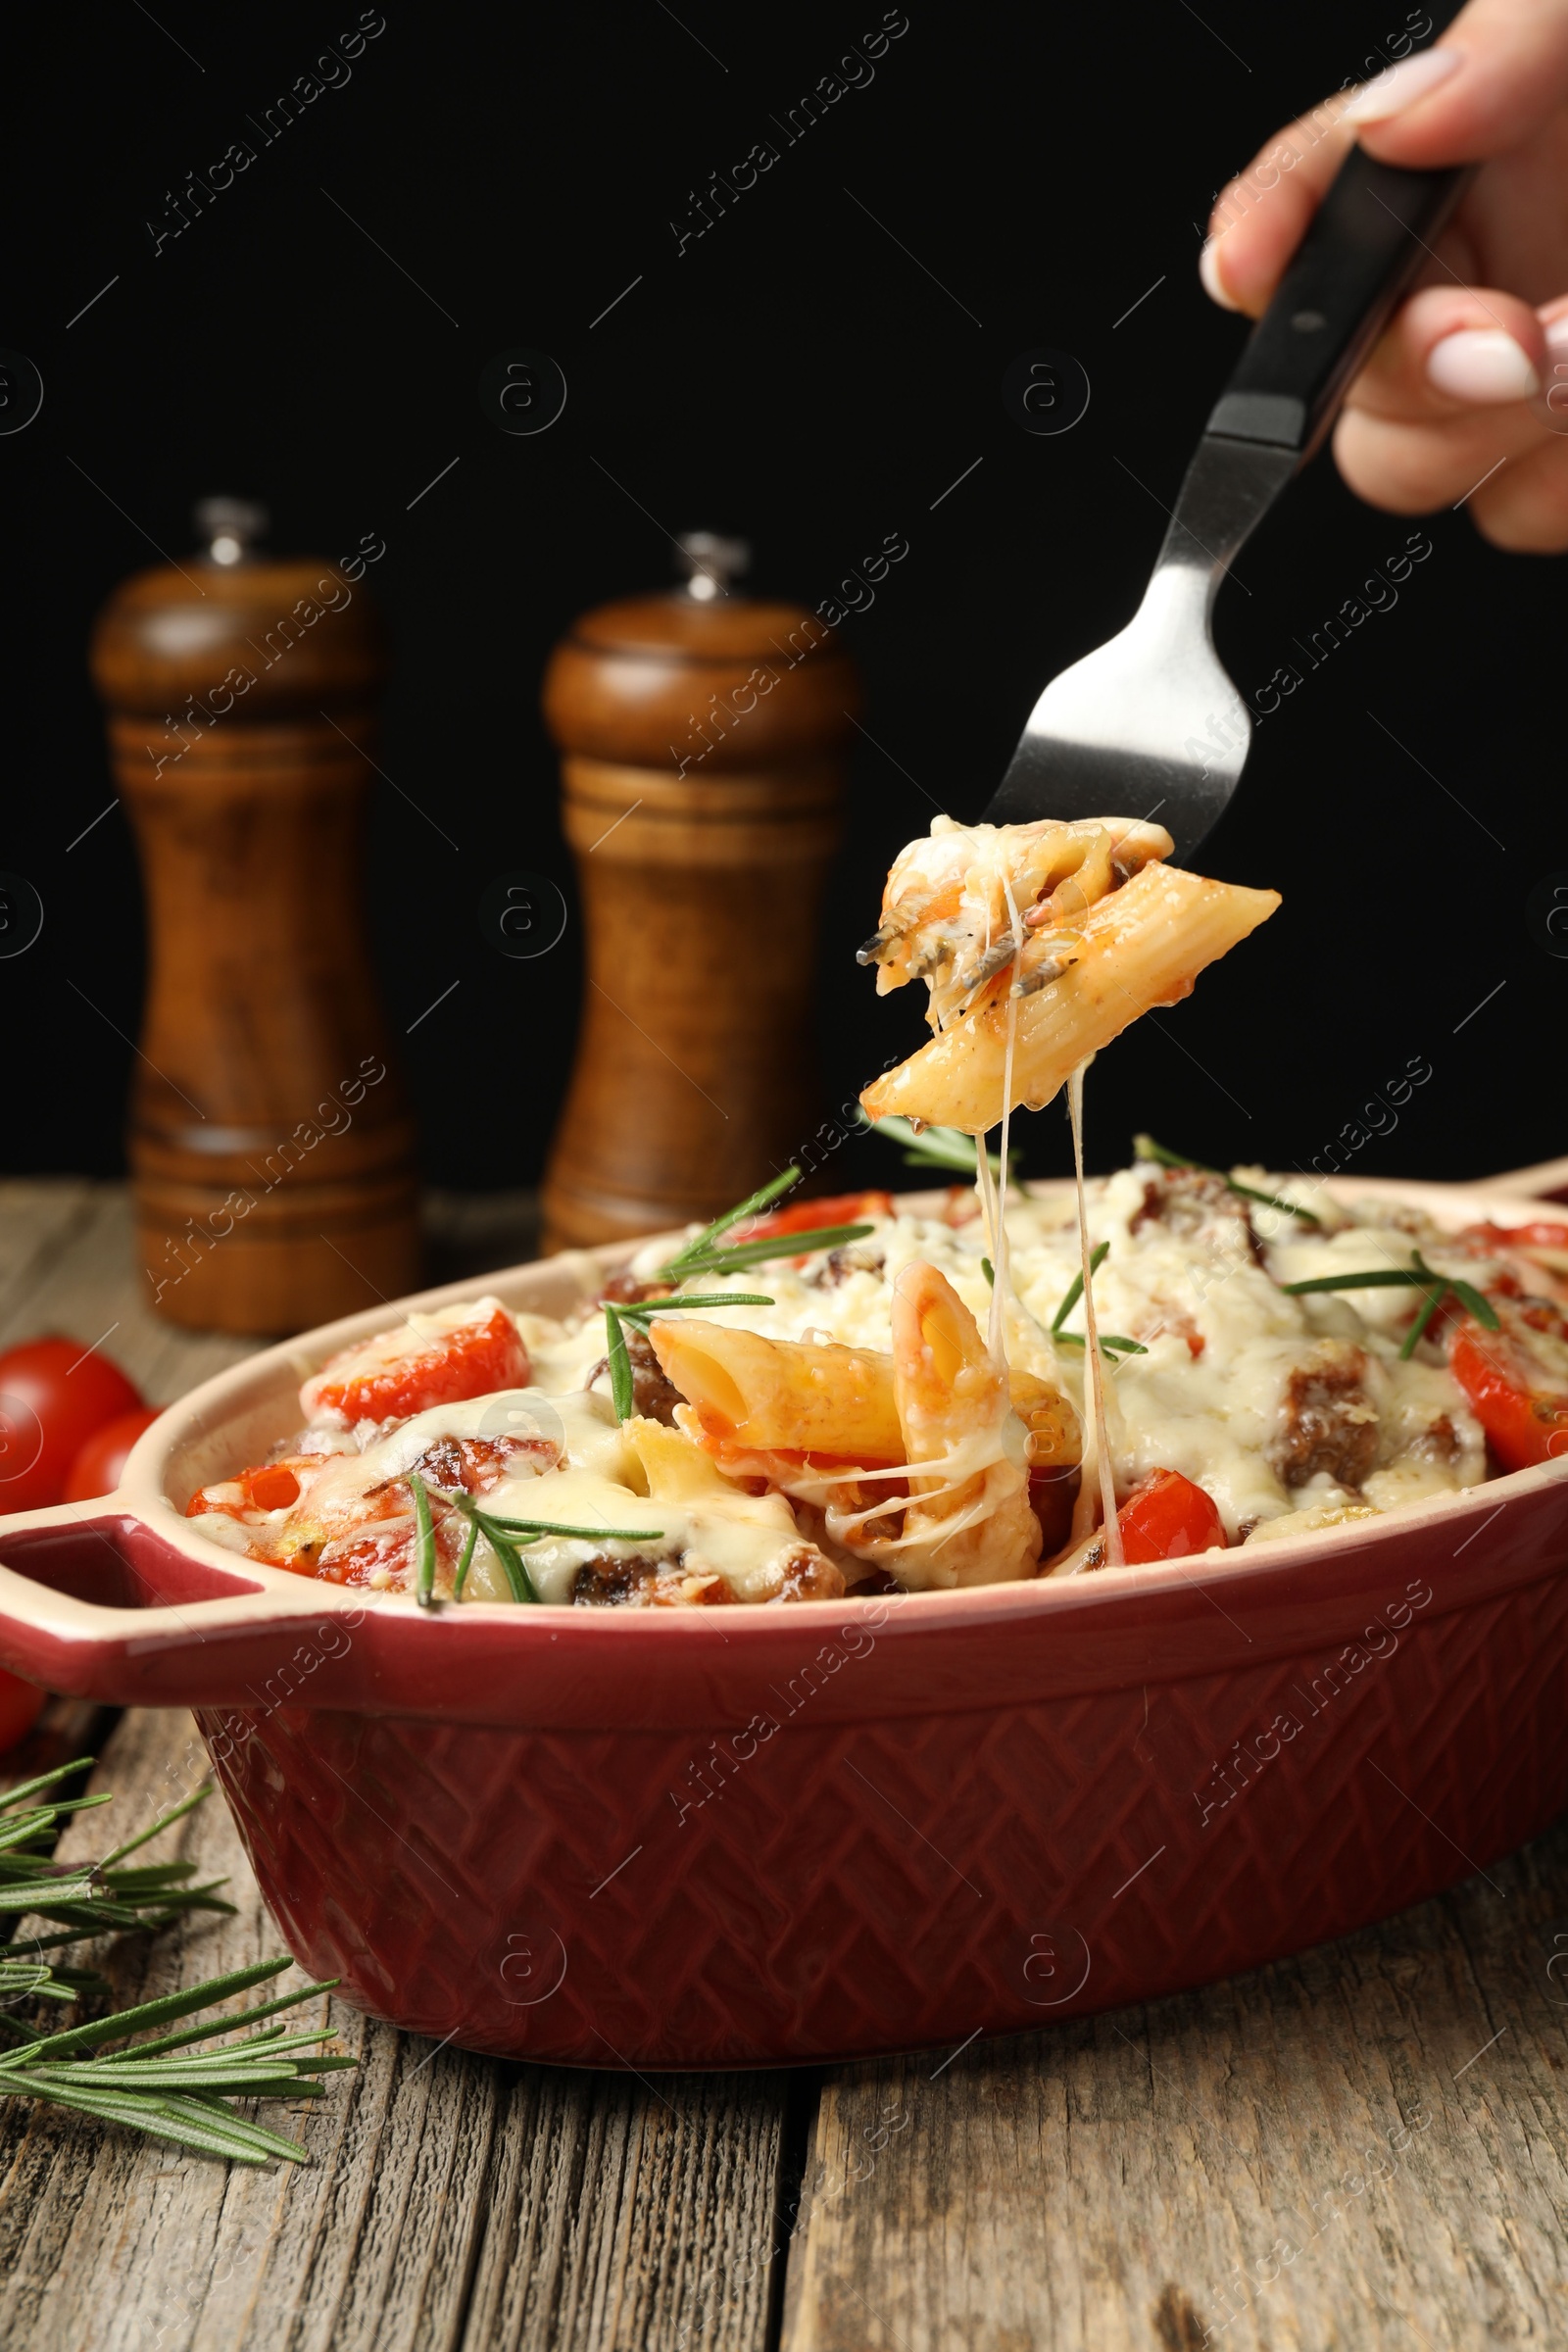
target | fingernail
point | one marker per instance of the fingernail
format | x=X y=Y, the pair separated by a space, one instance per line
x=1208 y=270
x=1401 y=85
x=1556 y=332
x=1482 y=363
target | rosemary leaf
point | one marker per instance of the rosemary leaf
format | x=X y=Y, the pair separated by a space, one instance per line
x=938 y=1147
x=512 y=1560
x=164 y=1822
x=1145 y=1148
x=800 y=1244
x=1433 y=1302
x=989 y=1271
x=763 y=1197
x=514 y=1565
x=645 y=1310
x=1110 y=1343
x=45 y=1779
x=591 y=1534
x=1386 y=1278
x=1474 y=1303
x=1075 y=1289
x=424 y=1542
x=466 y=1561
x=620 y=1387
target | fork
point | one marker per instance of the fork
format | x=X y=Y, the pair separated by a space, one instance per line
x=1150 y=722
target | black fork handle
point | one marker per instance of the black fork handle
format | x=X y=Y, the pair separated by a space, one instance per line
x=1373 y=230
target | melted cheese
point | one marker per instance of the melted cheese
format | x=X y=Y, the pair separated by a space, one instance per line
x=1222 y=1338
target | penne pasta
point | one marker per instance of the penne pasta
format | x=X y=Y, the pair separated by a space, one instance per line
x=1141 y=946
x=781 y=1396
x=968 y=1518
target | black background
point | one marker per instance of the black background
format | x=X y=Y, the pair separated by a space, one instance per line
x=806 y=375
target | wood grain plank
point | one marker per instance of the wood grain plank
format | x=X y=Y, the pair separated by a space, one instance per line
x=452 y=2202
x=1365 y=2146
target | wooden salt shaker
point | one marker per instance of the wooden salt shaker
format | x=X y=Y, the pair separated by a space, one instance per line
x=703 y=736
x=270 y=1145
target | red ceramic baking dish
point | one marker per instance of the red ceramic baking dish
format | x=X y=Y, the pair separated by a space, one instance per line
x=762 y=1836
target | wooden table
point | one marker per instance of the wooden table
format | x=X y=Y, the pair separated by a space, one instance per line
x=1367 y=2146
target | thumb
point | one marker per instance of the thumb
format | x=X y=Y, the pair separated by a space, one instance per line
x=1499 y=71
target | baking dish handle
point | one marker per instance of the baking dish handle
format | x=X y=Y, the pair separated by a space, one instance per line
x=1547 y=1180
x=101 y=1606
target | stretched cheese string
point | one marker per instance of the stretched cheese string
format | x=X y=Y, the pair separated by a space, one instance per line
x=1094 y=1375
x=1001 y=1254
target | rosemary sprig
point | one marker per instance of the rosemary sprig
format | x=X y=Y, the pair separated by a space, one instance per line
x=1145 y=1148
x=1110 y=1343
x=1418 y=1275
x=800 y=1244
x=514 y=1565
x=1075 y=1289
x=939 y=1148
x=424 y=1542
x=700 y=1244
x=142 y=2086
x=92 y=1897
x=621 y=1393
x=187 y=2099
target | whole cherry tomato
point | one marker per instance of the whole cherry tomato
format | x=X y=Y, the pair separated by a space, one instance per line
x=101 y=1464
x=20 y=1704
x=54 y=1393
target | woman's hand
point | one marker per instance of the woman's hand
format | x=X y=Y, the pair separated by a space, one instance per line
x=1465 y=398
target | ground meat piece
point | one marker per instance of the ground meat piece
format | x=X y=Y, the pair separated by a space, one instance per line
x=655 y=1397
x=473 y=1464
x=810 y=1575
x=1329 y=1423
x=1438 y=1441
x=853 y=1257
x=625 y=1290
x=606 y=1584
x=652 y=1395
x=1196 y=1206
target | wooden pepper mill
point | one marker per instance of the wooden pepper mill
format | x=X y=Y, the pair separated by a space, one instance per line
x=703 y=736
x=270 y=1145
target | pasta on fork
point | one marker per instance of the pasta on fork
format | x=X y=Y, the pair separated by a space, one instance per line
x=1039 y=944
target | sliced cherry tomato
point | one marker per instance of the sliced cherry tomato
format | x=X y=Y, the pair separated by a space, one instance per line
x=271 y=1486
x=1512 y=1395
x=101 y=1464
x=20 y=1705
x=54 y=1393
x=1167 y=1518
x=807 y=1217
x=406 y=1371
x=1544 y=1233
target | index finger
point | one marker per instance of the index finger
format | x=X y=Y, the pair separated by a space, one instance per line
x=1261 y=215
